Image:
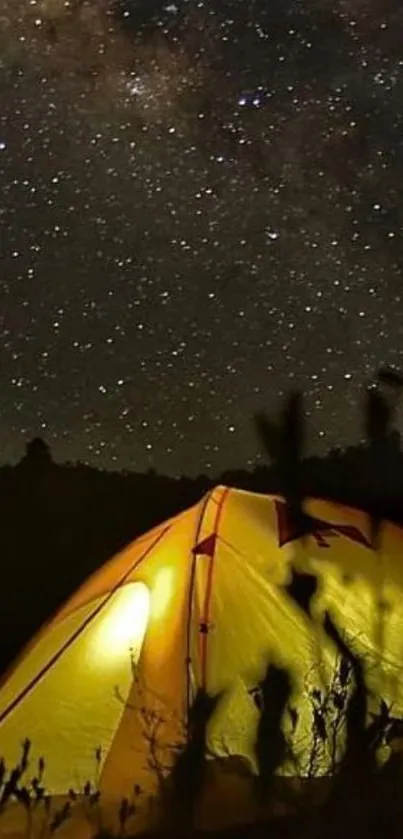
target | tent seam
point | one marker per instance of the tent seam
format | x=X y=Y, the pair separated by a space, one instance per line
x=76 y=634
x=192 y=579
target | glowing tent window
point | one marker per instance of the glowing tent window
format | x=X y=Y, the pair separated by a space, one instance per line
x=123 y=623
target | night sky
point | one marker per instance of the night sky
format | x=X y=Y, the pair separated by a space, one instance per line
x=201 y=207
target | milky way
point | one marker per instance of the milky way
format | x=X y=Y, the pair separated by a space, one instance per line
x=200 y=209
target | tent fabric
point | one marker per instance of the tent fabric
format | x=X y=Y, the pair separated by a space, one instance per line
x=104 y=689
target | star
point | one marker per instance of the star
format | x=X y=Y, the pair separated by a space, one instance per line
x=200 y=212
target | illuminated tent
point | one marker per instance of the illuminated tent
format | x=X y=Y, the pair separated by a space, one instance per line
x=200 y=601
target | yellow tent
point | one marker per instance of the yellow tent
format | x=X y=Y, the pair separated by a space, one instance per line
x=103 y=690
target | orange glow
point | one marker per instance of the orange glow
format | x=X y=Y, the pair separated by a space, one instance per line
x=162 y=591
x=124 y=623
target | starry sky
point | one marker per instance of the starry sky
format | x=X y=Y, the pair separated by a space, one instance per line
x=201 y=207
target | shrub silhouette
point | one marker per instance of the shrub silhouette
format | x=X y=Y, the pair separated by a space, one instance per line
x=18 y=787
x=187 y=777
x=271 y=746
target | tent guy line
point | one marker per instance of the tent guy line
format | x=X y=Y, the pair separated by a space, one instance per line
x=205 y=619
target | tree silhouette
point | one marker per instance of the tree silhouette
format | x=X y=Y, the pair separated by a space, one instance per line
x=283 y=442
x=37 y=454
x=380 y=405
